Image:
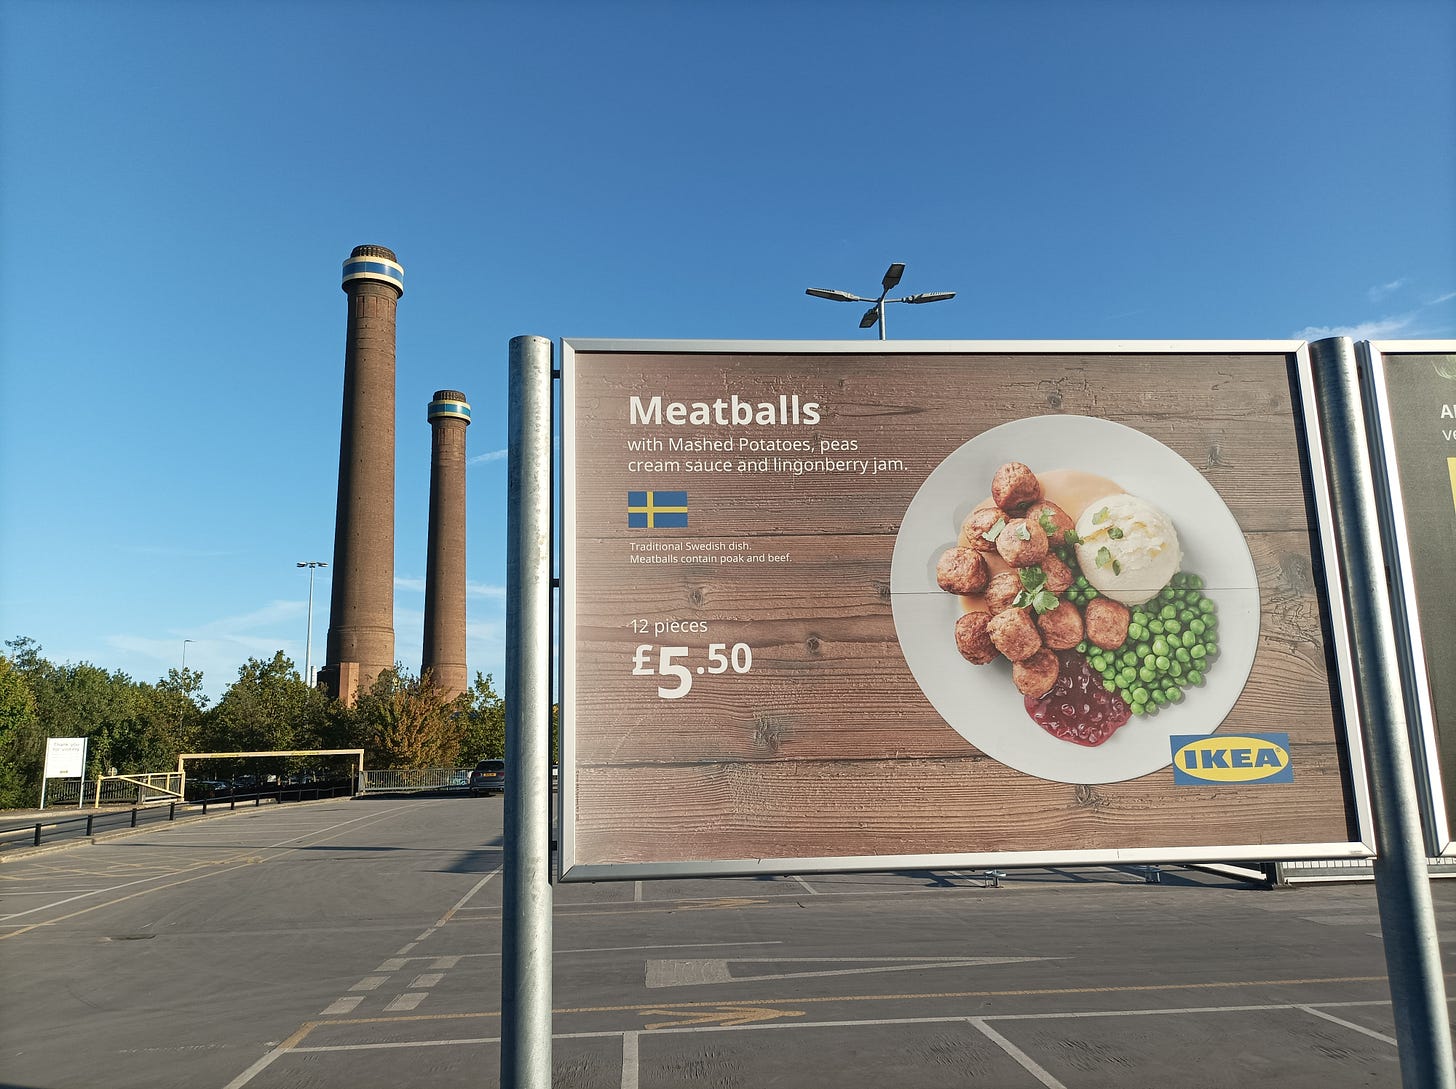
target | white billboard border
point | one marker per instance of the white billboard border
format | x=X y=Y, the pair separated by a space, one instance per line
x=1288 y=352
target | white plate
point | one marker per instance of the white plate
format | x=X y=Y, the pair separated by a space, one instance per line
x=979 y=702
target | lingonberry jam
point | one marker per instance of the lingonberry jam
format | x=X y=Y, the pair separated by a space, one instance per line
x=1078 y=709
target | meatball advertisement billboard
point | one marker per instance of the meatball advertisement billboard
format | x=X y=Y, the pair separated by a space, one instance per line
x=850 y=606
x=1413 y=400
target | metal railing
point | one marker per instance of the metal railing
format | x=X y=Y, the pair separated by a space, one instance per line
x=414 y=780
x=89 y=823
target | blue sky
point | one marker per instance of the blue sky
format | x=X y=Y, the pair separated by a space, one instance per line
x=179 y=183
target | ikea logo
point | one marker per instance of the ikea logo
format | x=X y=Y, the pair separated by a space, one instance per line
x=1231 y=758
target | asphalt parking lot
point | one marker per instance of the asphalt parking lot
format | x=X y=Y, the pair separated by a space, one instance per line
x=358 y=943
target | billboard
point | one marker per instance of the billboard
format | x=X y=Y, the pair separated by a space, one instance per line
x=842 y=606
x=1412 y=399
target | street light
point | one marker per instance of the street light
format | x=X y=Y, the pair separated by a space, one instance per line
x=875 y=315
x=184 y=653
x=308 y=642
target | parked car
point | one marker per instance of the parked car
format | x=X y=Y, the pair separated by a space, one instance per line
x=489 y=777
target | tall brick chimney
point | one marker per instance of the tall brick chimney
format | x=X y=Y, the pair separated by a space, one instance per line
x=444 y=655
x=361 y=613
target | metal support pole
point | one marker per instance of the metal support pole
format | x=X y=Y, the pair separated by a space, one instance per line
x=526 y=924
x=1402 y=879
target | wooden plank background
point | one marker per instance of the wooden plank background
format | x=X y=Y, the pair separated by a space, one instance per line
x=827 y=748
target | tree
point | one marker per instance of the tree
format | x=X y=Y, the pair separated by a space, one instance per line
x=406 y=722
x=268 y=707
x=483 y=721
x=22 y=744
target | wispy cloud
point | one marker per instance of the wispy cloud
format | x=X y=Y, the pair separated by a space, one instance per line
x=1379 y=329
x=493 y=455
x=413 y=584
x=481 y=589
x=1380 y=291
x=1442 y=299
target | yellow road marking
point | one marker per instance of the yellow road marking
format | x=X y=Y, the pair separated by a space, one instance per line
x=726 y=1014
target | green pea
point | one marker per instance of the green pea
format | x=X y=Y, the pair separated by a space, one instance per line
x=1199 y=652
x=1174 y=695
x=1140 y=694
x=1181 y=655
x=1146 y=674
x=1205 y=606
x=1162 y=663
x=1172 y=627
x=1160 y=646
x=1175 y=668
x=1197 y=627
x=1212 y=649
x=1159 y=696
x=1195 y=678
x=1109 y=685
x=1136 y=631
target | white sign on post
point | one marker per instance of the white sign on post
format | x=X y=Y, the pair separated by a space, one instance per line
x=65 y=758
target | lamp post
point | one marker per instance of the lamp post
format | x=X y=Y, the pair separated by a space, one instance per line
x=184 y=653
x=308 y=641
x=875 y=315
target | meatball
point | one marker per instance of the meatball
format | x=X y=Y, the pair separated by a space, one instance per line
x=1022 y=543
x=977 y=524
x=1014 y=486
x=972 y=639
x=1107 y=622
x=1014 y=634
x=1061 y=628
x=1036 y=675
x=962 y=571
x=1056 y=522
x=1059 y=577
x=1001 y=591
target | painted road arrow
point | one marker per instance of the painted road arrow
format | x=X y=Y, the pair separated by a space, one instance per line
x=697 y=973
x=722 y=1015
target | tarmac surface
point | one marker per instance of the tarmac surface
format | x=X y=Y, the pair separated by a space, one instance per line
x=357 y=943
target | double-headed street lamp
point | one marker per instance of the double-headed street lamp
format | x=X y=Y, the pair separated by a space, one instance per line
x=875 y=315
x=308 y=642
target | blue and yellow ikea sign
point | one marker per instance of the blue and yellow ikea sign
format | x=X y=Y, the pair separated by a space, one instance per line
x=1231 y=758
x=657 y=510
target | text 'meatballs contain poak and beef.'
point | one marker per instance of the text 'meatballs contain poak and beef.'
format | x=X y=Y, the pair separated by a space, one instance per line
x=1089 y=606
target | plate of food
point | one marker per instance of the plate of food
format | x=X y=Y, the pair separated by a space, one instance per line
x=1069 y=594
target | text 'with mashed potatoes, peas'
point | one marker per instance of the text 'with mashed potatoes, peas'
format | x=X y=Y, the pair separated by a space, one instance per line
x=1089 y=605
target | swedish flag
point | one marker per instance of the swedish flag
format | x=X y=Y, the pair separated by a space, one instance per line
x=657 y=510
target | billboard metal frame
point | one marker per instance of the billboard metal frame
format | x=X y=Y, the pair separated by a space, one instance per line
x=1416 y=686
x=1329 y=521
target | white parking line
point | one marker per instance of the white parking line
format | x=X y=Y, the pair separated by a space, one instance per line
x=405 y=1002
x=347 y=1004
x=427 y=979
x=369 y=983
x=1023 y=1060
x=1350 y=1025
x=629 y=1060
